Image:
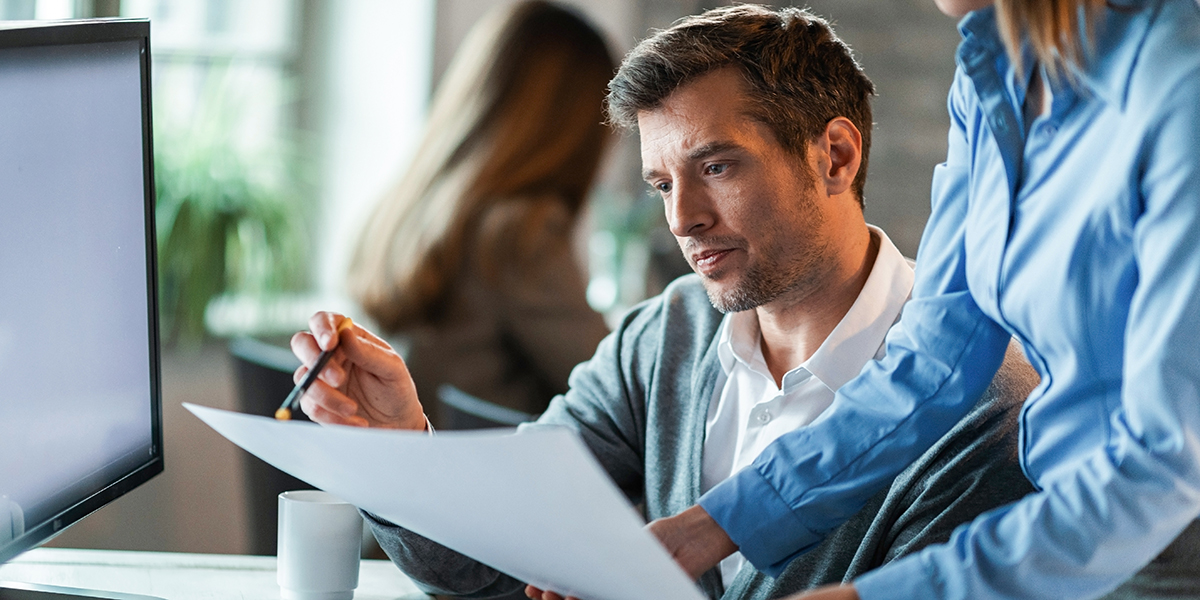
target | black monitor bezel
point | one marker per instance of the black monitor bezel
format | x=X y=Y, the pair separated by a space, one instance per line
x=17 y=34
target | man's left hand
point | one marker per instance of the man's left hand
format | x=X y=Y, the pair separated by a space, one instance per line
x=694 y=540
x=833 y=592
x=692 y=537
x=538 y=594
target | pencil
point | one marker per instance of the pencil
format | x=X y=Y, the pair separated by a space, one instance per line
x=284 y=413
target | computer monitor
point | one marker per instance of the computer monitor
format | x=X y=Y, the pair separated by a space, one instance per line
x=80 y=405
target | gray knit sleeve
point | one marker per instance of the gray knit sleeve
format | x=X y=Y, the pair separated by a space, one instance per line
x=436 y=569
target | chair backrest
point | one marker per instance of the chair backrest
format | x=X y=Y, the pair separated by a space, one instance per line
x=263 y=375
x=461 y=410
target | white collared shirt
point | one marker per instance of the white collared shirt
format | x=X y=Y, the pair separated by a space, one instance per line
x=748 y=411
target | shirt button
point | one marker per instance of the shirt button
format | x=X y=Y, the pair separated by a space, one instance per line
x=764 y=417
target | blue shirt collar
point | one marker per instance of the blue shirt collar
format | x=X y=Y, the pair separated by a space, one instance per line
x=1119 y=35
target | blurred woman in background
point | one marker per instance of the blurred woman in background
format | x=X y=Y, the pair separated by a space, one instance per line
x=469 y=259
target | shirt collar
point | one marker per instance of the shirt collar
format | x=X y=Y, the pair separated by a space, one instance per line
x=979 y=32
x=1119 y=35
x=738 y=339
x=1122 y=28
x=856 y=338
x=860 y=333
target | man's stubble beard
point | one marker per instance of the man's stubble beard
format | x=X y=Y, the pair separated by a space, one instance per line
x=763 y=283
x=767 y=280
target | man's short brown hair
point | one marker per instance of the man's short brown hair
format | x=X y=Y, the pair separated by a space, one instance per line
x=800 y=75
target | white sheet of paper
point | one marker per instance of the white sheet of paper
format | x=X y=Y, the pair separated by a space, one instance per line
x=535 y=505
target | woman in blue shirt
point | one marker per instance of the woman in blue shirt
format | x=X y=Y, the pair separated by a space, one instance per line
x=1067 y=215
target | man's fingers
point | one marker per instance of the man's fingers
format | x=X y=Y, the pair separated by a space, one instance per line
x=365 y=381
x=359 y=346
x=304 y=346
x=325 y=404
x=319 y=413
x=324 y=328
x=372 y=354
x=539 y=594
x=365 y=335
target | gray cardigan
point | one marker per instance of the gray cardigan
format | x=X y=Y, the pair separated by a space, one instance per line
x=640 y=405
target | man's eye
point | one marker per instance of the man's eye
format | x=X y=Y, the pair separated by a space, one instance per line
x=663 y=187
x=715 y=169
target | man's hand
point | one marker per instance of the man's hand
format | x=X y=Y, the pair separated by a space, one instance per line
x=832 y=592
x=365 y=384
x=692 y=537
x=537 y=594
x=694 y=540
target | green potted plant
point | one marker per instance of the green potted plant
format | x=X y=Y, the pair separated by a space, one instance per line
x=227 y=221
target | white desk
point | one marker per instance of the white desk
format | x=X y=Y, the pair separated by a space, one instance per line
x=177 y=576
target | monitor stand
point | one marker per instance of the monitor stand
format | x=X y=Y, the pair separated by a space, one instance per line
x=35 y=591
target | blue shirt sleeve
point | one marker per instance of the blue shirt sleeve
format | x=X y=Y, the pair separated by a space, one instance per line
x=940 y=357
x=1085 y=533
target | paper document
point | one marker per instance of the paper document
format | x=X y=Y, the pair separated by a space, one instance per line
x=535 y=505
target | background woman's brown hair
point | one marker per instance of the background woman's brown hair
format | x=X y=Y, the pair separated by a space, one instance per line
x=1058 y=31
x=517 y=117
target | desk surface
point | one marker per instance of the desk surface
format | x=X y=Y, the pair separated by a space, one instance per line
x=178 y=576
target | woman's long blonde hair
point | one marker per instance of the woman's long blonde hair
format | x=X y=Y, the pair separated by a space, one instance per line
x=1059 y=31
x=518 y=116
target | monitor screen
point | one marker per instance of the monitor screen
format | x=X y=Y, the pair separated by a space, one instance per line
x=80 y=419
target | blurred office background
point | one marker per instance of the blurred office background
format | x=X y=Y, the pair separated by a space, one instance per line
x=278 y=123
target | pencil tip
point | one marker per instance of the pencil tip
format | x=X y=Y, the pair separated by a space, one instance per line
x=283 y=414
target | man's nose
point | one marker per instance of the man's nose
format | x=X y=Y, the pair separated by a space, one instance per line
x=689 y=211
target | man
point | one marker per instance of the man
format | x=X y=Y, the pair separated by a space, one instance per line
x=755 y=130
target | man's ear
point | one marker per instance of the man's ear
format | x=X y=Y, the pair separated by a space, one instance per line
x=839 y=155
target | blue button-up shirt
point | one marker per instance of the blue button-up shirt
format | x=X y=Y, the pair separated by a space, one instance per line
x=1081 y=238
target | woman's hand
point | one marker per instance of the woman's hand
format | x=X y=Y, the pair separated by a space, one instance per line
x=365 y=384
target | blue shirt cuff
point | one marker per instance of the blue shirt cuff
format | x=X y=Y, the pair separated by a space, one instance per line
x=766 y=530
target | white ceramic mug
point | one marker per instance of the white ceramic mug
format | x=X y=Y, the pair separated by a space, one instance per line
x=320 y=540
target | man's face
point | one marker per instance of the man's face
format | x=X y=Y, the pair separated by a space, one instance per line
x=745 y=211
